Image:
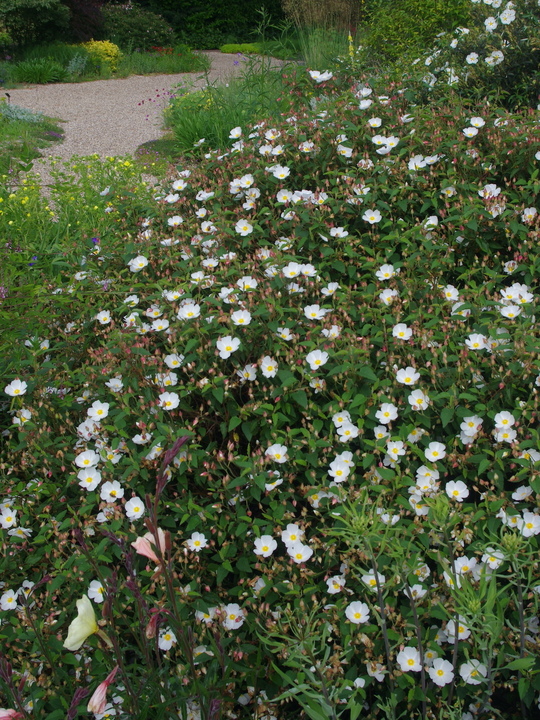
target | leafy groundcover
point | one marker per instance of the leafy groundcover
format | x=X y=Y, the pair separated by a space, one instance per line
x=275 y=443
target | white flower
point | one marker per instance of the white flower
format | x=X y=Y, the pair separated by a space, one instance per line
x=134 y=508
x=495 y=58
x=89 y=478
x=441 y=672
x=531 y=524
x=347 y=432
x=173 y=360
x=417 y=162
x=315 y=312
x=98 y=411
x=491 y=24
x=463 y=631
x=357 y=612
x=8 y=601
x=372 y=216
x=241 y=317
x=265 y=546
x=103 y=317
x=529 y=214
x=504 y=420
x=293 y=533
x=96 y=591
x=476 y=341
x=470 y=131
x=335 y=584
x=235 y=133
x=402 y=332
x=316 y=359
x=472 y=58
x=387 y=296
x=457 y=490
x=320 y=76
x=510 y=311
x=169 y=400
x=409 y=660
x=15 y=388
x=332 y=332
x=386 y=413
x=243 y=228
x=344 y=151
x=299 y=552
x=338 y=232
x=87 y=459
x=339 y=470
x=232 y=616
x=197 y=542
x=227 y=345
x=435 y=451
x=189 y=311
x=111 y=491
x=386 y=272
x=407 y=376
x=166 y=639
x=277 y=453
x=269 y=367
x=8 y=518
x=138 y=263
x=115 y=384
x=473 y=672
x=247 y=283
x=370 y=580
x=507 y=16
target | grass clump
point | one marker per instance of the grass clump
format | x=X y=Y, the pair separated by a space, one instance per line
x=209 y=114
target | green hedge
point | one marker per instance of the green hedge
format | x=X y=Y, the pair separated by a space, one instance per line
x=395 y=32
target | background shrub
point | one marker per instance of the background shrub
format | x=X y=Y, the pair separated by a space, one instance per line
x=30 y=21
x=105 y=52
x=397 y=30
x=207 y=25
x=133 y=27
x=85 y=20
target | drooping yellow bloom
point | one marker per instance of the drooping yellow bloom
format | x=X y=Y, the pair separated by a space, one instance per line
x=83 y=626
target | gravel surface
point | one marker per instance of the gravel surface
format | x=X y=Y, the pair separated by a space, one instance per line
x=112 y=117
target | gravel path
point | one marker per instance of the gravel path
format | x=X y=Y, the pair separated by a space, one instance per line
x=112 y=117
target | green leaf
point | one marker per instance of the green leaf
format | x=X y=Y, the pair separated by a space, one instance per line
x=366 y=372
x=524 y=663
x=300 y=397
x=447 y=415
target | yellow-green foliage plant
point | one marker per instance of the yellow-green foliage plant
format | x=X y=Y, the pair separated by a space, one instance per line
x=104 y=51
x=405 y=30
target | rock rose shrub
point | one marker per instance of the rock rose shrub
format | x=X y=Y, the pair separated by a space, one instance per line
x=308 y=363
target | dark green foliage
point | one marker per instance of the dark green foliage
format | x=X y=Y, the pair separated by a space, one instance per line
x=405 y=28
x=208 y=25
x=136 y=28
x=86 y=19
x=30 y=21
